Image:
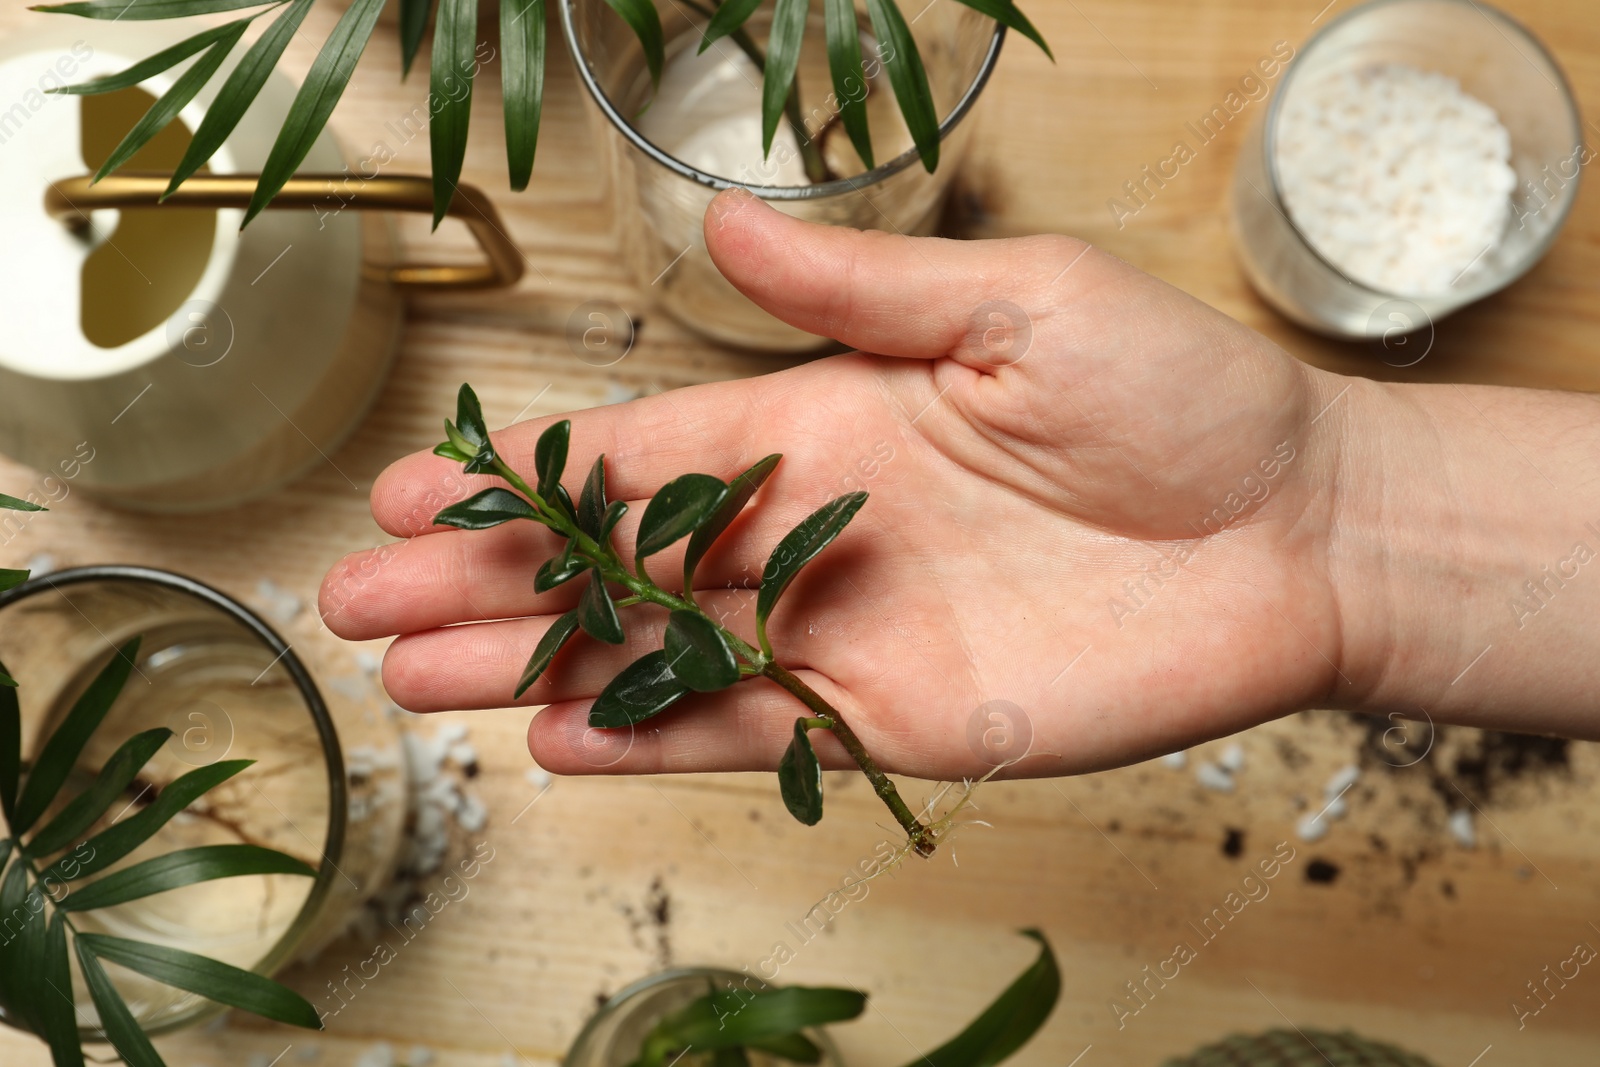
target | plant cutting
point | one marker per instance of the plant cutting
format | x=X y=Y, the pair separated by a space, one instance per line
x=699 y=654
x=726 y=1026
x=454 y=62
x=55 y=845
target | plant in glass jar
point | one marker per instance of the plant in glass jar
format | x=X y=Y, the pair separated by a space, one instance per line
x=56 y=844
x=455 y=61
x=701 y=1017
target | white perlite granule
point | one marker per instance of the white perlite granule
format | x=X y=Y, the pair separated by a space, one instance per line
x=1396 y=176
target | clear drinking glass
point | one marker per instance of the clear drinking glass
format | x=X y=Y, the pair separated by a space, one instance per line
x=701 y=134
x=228 y=687
x=613 y=1036
x=1497 y=61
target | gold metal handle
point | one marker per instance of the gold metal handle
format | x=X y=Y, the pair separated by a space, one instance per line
x=71 y=199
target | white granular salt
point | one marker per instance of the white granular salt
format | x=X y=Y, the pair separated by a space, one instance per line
x=1396 y=176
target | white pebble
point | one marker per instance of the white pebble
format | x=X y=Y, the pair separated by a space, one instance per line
x=1214 y=777
x=449 y=734
x=539 y=778
x=419 y=1056
x=368 y=662
x=40 y=564
x=1311 y=827
x=1335 y=809
x=380 y=1055
x=307 y=1053
x=462 y=753
x=1342 y=779
x=1232 y=758
x=1463 y=829
x=279 y=604
x=473 y=815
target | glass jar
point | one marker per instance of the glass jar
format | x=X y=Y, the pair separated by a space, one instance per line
x=614 y=1035
x=700 y=134
x=227 y=686
x=1496 y=61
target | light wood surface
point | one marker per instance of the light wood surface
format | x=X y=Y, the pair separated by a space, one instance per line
x=1421 y=940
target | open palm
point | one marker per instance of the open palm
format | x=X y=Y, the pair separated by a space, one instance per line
x=1097 y=528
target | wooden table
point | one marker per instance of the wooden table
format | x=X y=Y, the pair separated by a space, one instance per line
x=1415 y=938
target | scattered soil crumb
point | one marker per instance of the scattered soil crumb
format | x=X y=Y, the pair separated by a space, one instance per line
x=1321 y=872
x=1233 y=843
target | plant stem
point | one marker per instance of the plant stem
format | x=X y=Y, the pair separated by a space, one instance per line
x=604 y=558
x=921 y=836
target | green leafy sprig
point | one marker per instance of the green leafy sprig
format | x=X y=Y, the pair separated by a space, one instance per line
x=46 y=871
x=730 y=1023
x=698 y=653
x=454 y=65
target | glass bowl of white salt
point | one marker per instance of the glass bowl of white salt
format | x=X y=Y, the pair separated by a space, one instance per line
x=1418 y=156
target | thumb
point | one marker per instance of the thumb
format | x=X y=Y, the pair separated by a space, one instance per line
x=916 y=297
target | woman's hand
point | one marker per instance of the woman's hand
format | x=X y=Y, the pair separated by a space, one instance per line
x=1093 y=498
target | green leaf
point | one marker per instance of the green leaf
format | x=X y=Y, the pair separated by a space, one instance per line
x=645 y=687
x=115 y=842
x=558 y=570
x=151 y=66
x=783 y=59
x=729 y=17
x=94 y=802
x=1006 y=13
x=597 y=614
x=641 y=17
x=314 y=103
x=800 y=777
x=10 y=579
x=545 y=653
x=849 y=79
x=1007 y=1024
x=174 y=870
x=613 y=516
x=16 y=996
x=121 y=1028
x=486 y=510
x=413 y=24
x=11 y=503
x=448 y=450
x=469 y=418
x=7 y=680
x=137 y=10
x=561 y=500
x=740 y=1017
x=58 y=1017
x=699 y=654
x=455 y=44
x=800 y=546
x=681 y=507
x=732 y=1056
x=210 y=979
x=522 y=47
x=174 y=100
x=550 y=458
x=740 y=490
x=62 y=750
x=796 y=1048
x=238 y=92
x=10 y=747
x=909 y=79
x=592 y=501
